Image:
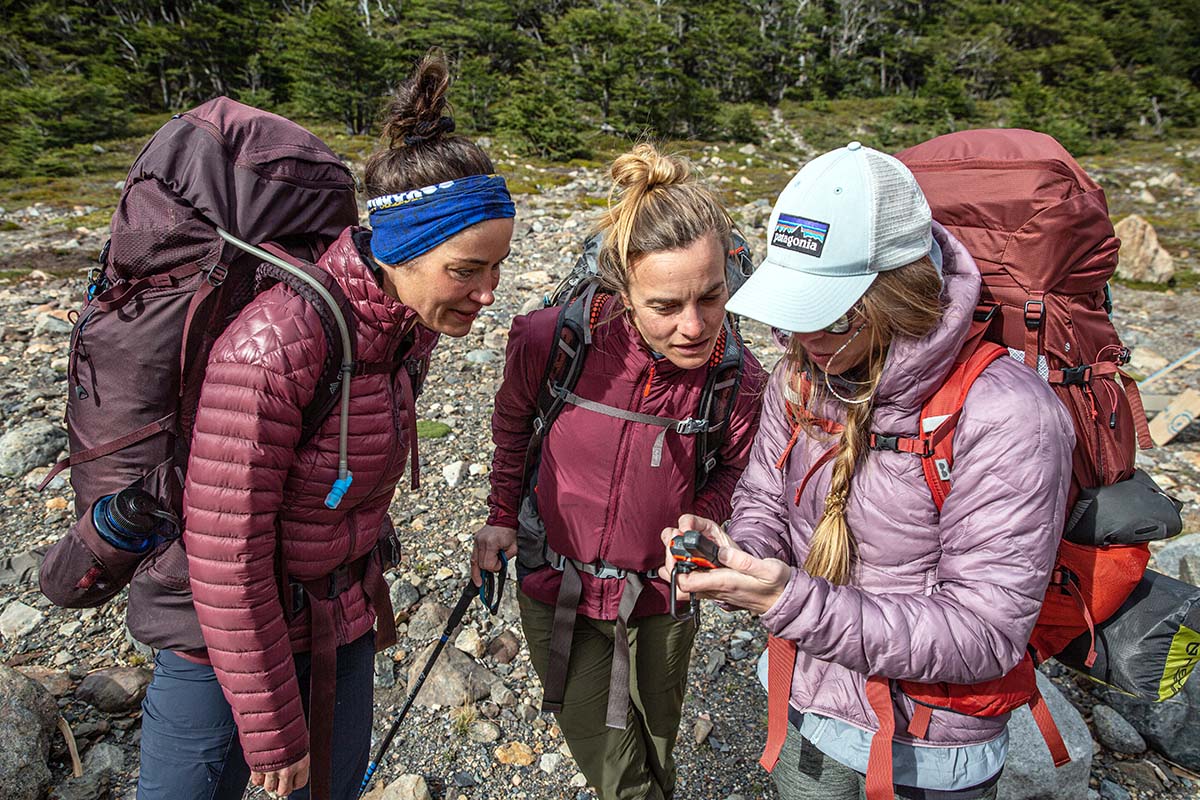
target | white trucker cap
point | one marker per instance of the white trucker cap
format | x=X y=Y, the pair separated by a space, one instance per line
x=845 y=217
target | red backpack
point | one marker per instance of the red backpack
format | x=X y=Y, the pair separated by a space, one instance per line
x=1040 y=232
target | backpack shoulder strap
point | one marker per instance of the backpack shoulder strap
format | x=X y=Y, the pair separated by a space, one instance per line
x=934 y=442
x=939 y=416
x=717 y=400
x=568 y=351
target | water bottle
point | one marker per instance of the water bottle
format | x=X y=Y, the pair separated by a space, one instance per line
x=129 y=519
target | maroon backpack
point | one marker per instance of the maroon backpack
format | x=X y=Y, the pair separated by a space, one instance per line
x=171 y=278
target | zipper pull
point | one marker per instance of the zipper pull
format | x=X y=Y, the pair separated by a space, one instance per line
x=649 y=378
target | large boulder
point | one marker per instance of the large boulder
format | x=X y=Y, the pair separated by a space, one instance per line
x=455 y=679
x=1142 y=258
x=1178 y=557
x=30 y=715
x=1029 y=773
x=33 y=444
x=102 y=766
x=1169 y=727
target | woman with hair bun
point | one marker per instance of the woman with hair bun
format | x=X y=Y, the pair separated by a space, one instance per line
x=612 y=659
x=288 y=591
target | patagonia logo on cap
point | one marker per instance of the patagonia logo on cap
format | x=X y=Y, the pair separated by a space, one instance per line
x=800 y=235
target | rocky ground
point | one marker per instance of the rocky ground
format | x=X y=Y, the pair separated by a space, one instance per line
x=484 y=738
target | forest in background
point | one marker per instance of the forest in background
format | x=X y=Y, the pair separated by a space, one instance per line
x=547 y=74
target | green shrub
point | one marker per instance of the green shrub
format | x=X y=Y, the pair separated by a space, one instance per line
x=541 y=119
x=738 y=125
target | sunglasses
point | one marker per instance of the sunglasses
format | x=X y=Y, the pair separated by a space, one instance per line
x=841 y=325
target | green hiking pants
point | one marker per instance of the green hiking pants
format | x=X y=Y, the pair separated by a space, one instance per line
x=628 y=764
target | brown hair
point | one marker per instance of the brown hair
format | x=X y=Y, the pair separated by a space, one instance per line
x=658 y=206
x=902 y=302
x=421 y=150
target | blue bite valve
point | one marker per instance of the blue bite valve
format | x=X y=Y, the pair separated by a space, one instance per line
x=338 y=490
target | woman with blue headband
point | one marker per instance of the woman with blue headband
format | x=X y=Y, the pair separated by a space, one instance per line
x=288 y=591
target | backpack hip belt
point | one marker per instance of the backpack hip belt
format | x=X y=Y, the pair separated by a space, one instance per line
x=566 y=609
x=604 y=570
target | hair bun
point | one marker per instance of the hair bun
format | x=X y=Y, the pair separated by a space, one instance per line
x=644 y=168
x=417 y=111
x=425 y=130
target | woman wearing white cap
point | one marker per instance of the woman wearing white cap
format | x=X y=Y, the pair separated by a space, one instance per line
x=836 y=540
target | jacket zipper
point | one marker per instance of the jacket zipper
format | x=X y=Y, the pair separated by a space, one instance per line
x=623 y=465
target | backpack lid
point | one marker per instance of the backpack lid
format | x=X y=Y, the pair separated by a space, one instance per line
x=224 y=164
x=1042 y=225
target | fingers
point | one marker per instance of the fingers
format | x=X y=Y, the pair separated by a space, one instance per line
x=476 y=578
x=668 y=534
x=282 y=782
x=692 y=522
x=737 y=559
x=301 y=778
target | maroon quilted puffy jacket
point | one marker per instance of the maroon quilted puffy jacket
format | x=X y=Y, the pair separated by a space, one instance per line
x=246 y=477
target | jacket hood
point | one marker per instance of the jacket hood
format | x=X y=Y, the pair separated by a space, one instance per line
x=915 y=368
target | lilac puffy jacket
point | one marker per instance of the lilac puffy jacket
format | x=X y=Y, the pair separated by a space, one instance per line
x=950 y=597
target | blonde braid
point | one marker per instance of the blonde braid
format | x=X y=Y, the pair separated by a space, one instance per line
x=832 y=550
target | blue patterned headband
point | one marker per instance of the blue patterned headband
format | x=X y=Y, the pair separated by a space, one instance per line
x=407 y=224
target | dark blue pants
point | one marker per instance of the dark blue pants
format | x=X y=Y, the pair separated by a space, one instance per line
x=190 y=747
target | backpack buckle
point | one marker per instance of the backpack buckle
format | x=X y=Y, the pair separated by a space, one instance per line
x=881 y=442
x=1076 y=376
x=217 y=274
x=1033 y=314
x=298 y=597
x=606 y=571
x=691 y=426
x=339 y=581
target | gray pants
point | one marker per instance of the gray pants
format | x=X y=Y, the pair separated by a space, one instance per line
x=805 y=773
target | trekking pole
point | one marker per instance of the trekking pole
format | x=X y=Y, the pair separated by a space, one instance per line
x=489 y=592
x=1169 y=368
